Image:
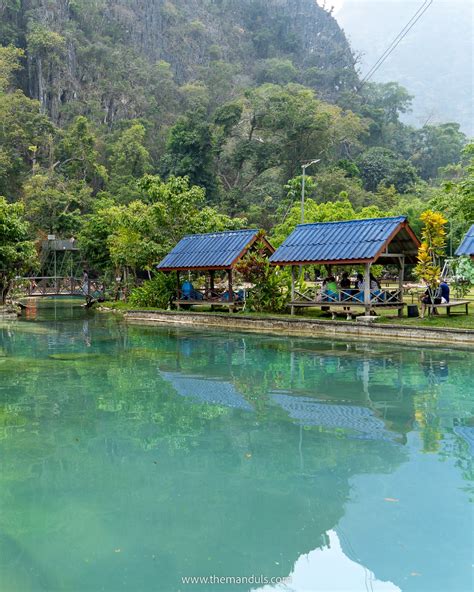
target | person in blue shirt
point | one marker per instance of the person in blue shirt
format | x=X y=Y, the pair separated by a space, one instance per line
x=443 y=291
x=441 y=296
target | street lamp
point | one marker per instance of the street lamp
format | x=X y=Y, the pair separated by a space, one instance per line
x=304 y=167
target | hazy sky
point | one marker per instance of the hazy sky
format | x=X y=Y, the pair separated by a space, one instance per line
x=338 y=4
x=434 y=61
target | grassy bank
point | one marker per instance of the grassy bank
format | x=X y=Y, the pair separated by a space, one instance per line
x=455 y=321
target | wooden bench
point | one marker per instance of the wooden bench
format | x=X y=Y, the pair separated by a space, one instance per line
x=449 y=305
x=334 y=308
x=235 y=304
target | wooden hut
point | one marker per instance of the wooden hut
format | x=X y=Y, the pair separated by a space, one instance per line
x=350 y=243
x=211 y=253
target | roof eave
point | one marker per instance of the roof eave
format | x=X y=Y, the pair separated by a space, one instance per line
x=322 y=262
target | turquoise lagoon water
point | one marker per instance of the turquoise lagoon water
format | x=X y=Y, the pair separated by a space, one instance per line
x=132 y=457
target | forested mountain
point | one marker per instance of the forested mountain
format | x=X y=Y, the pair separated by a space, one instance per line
x=129 y=122
x=109 y=58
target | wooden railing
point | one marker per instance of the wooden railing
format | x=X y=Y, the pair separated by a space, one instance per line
x=317 y=295
x=53 y=286
x=208 y=295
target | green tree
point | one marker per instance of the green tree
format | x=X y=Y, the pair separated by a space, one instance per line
x=190 y=152
x=380 y=165
x=93 y=236
x=455 y=199
x=9 y=63
x=437 y=146
x=279 y=128
x=277 y=71
x=55 y=204
x=78 y=157
x=381 y=105
x=129 y=161
x=137 y=235
x=321 y=212
x=17 y=252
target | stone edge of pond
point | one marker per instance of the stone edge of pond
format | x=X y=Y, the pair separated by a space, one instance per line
x=304 y=327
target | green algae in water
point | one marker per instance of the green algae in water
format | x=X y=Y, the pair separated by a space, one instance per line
x=199 y=453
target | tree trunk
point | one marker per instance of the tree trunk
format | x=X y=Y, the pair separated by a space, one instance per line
x=5 y=286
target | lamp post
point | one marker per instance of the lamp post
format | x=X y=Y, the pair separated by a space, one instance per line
x=303 y=168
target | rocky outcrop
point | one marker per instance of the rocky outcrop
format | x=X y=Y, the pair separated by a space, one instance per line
x=78 y=47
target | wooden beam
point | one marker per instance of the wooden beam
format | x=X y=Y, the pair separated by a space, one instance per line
x=292 y=288
x=401 y=277
x=178 y=287
x=211 y=282
x=319 y=262
x=367 y=288
x=231 y=293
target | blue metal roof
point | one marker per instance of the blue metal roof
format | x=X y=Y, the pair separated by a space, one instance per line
x=467 y=245
x=213 y=250
x=351 y=240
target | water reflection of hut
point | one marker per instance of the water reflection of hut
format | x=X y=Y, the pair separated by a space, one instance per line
x=214 y=392
x=310 y=412
x=467 y=434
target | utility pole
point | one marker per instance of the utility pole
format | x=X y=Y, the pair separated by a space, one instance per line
x=304 y=166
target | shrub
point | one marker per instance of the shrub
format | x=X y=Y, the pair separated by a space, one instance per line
x=271 y=286
x=157 y=292
x=463 y=276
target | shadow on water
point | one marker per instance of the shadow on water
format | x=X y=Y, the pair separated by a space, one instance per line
x=149 y=454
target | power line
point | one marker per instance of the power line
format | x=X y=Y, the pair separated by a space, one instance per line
x=395 y=42
x=400 y=36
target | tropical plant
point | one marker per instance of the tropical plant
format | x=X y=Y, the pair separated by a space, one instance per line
x=432 y=249
x=271 y=285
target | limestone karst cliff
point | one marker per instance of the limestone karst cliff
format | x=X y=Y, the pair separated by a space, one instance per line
x=101 y=57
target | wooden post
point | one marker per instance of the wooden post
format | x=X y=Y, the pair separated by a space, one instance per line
x=211 y=282
x=231 y=293
x=293 y=288
x=367 y=289
x=178 y=289
x=401 y=277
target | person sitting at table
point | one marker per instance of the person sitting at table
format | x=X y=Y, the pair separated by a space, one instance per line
x=359 y=283
x=345 y=286
x=345 y=283
x=330 y=289
x=374 y=283
x=439 y=296
x=444 y=291
x=236 y=296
